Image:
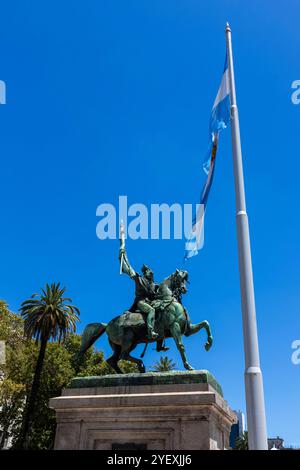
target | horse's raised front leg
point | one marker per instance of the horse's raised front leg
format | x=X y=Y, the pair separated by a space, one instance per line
x=176 y=333
x=192 y=329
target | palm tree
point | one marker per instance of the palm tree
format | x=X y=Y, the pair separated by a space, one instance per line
x=241 y=442
x=47 y=315
x=163 y=365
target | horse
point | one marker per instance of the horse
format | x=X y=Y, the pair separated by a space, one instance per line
x=129 y=329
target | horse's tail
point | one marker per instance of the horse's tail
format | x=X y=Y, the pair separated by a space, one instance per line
x=91 y=333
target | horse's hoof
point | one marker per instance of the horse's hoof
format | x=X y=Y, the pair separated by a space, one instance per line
x=208 y=343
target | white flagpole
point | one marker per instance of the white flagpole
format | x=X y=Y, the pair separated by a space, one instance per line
x=257 y=433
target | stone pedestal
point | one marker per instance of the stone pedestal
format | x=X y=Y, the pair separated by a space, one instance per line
x=154 y=411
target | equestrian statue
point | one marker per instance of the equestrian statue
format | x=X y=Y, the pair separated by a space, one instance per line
x=157 y=313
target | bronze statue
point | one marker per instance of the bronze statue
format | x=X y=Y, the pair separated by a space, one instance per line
x=157 y=313
x=144 y=291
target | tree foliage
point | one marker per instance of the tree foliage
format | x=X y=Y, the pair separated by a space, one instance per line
x=164 y=365
x=47 y=315
x=241 y=442
x=16 y=377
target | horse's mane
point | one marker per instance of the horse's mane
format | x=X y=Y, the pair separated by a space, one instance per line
x=173 y=283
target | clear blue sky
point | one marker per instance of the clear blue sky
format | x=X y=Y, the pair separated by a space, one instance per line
x=109 y=98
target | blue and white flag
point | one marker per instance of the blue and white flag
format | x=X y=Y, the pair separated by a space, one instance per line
x=218 y=121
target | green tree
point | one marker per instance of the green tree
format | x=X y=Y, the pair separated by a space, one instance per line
x=11 y=326
x=163 y=365
x=10 y=406
x=241 y=442
x=56 y=373
x=59 y=368
x=12 y=389
x=47 y=315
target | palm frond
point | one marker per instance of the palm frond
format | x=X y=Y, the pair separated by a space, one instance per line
x=49 y=315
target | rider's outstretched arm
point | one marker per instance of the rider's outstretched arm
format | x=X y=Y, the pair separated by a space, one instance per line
x=126 y=266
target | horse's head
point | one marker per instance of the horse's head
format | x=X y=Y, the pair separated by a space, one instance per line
x=173 y=286
x=179 y=279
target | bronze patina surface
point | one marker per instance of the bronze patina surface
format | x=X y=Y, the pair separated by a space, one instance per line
x=157 y=313
x=149 y=378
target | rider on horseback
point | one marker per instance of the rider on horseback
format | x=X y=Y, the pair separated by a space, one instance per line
x=127 y=330
x=144 y=291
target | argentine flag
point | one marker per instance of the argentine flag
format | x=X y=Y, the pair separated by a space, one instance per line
x=219 y=118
